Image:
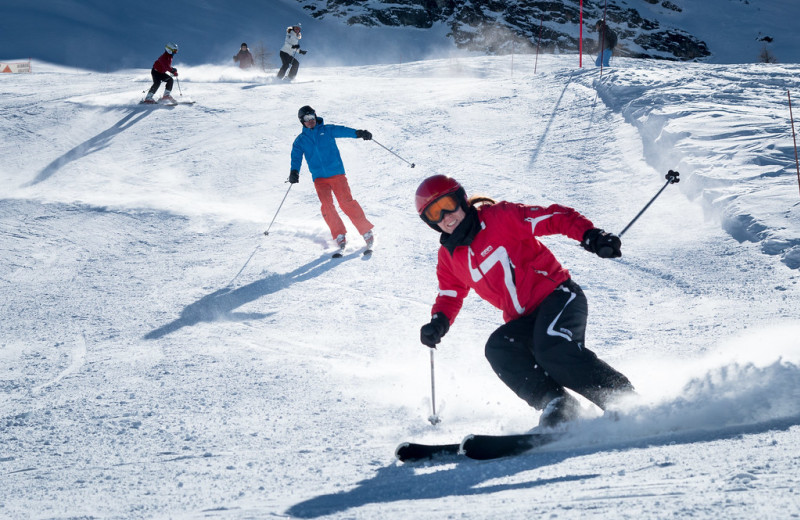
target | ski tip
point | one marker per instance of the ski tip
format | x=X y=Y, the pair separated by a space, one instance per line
x=405 y=453
x=413 y=452
x=399 y=451
x=367 y=252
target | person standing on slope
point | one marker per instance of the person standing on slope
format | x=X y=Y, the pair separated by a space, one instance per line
x=492 y=248
x=317 y=142
x=606 y=41
x=291 y=47
x=244 y=58
x=159 y=73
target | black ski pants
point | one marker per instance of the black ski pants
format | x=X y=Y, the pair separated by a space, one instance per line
x=158 y=77
x=540 y=354
x=286 y=61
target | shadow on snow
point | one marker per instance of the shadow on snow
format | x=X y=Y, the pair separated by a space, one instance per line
x=95 y=144
x=396 y=483
x=220 y=304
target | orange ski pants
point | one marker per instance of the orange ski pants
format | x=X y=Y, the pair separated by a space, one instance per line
x=337 y=185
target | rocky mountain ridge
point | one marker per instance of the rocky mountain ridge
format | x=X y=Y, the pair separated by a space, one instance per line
x=505 y=26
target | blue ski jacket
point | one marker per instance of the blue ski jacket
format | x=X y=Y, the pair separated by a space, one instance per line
x=318 y=144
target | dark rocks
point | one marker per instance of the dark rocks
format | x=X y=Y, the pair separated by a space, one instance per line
x=504 y=26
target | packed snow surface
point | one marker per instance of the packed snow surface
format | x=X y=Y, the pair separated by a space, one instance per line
x=160 y=357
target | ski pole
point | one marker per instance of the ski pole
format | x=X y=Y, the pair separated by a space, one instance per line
x=391 y=152
x=279 y=208
x=672 y=178
x=177 y=81
x=434 y=419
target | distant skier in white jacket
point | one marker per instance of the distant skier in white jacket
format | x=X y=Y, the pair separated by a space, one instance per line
x=291 y=46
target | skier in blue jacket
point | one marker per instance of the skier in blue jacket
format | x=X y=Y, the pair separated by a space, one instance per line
x=317 y=143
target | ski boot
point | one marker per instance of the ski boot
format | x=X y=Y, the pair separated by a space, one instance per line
x=168 y=99
x=560 y=410
x=369 y=238
x=341 y=242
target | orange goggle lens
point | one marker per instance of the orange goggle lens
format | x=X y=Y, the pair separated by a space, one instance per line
x=437 y=209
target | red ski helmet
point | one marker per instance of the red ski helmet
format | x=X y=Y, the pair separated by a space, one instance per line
x=434 y=188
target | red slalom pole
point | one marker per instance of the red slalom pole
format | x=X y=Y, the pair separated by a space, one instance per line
x=580 y=40
x=794 y=138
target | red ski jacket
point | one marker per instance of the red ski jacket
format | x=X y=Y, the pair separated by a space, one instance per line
x=164 y=63
x=506 y=264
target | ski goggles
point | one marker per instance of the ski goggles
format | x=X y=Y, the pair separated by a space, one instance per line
x=440 y=207
x=309 y=117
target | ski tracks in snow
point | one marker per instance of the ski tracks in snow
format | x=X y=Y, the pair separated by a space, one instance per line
x=77 y=359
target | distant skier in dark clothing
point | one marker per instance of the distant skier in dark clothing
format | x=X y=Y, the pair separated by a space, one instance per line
x=291 y=47
x=244 y=58
x=606 y=41
x=492 y=248
x=159 y=73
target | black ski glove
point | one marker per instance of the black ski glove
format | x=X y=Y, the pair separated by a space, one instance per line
x=295 y=46
x=431 y=333
x=302 y=52
x=294 y=176
x=604 y=245
x=174 y=72
x=364 y=134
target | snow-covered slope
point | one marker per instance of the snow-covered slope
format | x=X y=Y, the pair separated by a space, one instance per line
x=725 y=129
x=161 y=358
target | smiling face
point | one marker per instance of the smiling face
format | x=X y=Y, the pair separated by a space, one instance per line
x=444 y=213
x=451 y=220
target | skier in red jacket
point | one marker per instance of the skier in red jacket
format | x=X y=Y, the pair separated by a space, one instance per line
x=159 y=73
x=491 y=247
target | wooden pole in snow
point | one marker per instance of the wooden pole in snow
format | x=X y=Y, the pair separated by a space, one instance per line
x=794 y=138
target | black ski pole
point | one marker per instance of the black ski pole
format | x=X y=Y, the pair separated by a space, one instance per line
x=672 y=178
x=391 y=152
x=279 y=208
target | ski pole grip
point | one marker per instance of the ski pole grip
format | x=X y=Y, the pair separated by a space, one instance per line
x=672 y=177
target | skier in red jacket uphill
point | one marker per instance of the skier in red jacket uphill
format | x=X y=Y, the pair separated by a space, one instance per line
x=491 y=247
x=159 y=73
